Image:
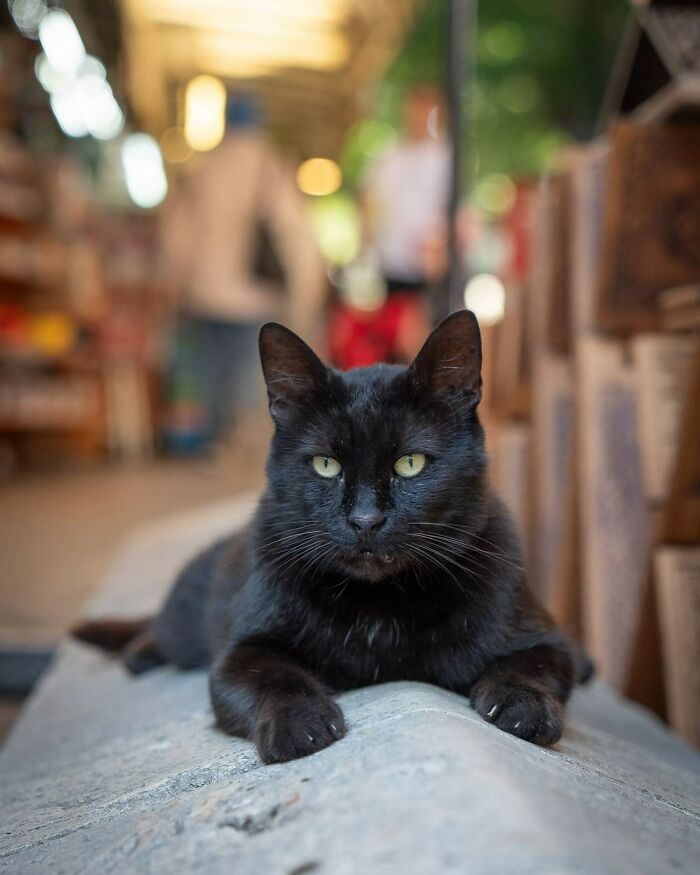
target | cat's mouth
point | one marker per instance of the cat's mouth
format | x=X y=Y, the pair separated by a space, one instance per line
x=386 y=558
x=370 y=564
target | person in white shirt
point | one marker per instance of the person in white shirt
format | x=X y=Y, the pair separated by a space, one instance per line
x=403 y=204
x=405 y=193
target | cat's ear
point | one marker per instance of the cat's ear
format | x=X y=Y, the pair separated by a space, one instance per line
x=450 y=360
x=292 y=370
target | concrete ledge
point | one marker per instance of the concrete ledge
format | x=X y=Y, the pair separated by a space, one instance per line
x=109 y=774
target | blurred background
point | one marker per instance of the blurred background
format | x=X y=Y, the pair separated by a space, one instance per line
x=173 y=173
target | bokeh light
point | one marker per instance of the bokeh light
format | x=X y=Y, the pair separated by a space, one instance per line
x=143 y=170
x=61 y=41
x=101 y=113
x=68 y=112
x=319 y=176
x=503 y=42
x=496 y=193
x=81 y=98
x=485 y=296
x=518 y=93
x=27 y=15
x=337 y=227
x=50 y=79
x=174 y=146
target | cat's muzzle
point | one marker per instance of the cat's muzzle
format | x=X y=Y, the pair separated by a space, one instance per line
x=372 y=563
x=387 y=558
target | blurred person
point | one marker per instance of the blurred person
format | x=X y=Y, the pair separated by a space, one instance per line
x=403 y=201
x=238 y=250
x=405 y=193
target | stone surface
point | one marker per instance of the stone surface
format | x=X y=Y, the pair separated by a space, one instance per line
x=108 y=774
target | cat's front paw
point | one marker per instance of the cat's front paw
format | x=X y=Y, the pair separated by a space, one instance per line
x=297 y=727
x=520 y=710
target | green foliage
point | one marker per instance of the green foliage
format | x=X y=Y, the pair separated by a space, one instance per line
x=541 y=68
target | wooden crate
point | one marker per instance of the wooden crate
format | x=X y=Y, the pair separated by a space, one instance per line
x=615 y=522
x=662 y=366
x=678 y=598
x=651 y=238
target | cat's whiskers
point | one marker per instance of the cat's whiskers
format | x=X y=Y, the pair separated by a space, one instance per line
x=289 y=543
x=304 y=545
x=464 y=545
x=458 y=544
x=305 y=550
x=316 y=557
x=289 y=534
x=436 y=559
x=290 y=554
x=438 y=556
x=414 y=565
x=471 y=534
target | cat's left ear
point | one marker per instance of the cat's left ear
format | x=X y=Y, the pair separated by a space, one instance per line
x=450 y=360
x=293 y=372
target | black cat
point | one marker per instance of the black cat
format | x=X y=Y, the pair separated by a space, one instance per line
x=378 y=553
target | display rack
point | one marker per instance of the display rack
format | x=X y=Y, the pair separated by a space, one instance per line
x=610 y=309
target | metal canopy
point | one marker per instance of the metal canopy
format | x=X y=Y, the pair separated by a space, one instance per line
x=310 y=61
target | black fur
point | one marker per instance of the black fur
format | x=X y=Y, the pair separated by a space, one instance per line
x=427 y=586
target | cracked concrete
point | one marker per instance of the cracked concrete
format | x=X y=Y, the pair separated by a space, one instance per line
x=105 y=773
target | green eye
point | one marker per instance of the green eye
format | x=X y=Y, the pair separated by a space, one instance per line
x=410 y=465
x=325 y=466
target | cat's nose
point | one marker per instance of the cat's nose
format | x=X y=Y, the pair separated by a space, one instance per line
x=367 y=520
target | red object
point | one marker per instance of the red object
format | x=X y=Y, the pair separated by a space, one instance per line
x=14 y=325
x=359 y=338
x=518 y=225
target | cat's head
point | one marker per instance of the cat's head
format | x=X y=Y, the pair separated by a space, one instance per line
x=368 y=469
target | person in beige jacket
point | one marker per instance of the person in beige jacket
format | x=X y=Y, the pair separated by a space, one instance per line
x=242 y=198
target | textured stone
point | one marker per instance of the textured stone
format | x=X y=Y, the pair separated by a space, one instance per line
x=105 y=773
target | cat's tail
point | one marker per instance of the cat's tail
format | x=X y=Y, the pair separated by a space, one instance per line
x=110 y=634
x=132 y=639
x=585 y=668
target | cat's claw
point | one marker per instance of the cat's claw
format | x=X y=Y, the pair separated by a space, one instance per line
x=298 y=727
x=519 y=710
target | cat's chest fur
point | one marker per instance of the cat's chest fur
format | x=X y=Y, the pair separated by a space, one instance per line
x=355 y=646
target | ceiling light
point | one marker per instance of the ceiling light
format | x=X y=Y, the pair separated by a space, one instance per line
x=27 y=15
x=92 y=66
x=237 y=50
x=101 y=113
x=205 y=112
x=51 y=80
x=67 y=108
x=61 y=41
x=195 y=13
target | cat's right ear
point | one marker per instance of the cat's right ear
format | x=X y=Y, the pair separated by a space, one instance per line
x=450 y=361
x=292 y=370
